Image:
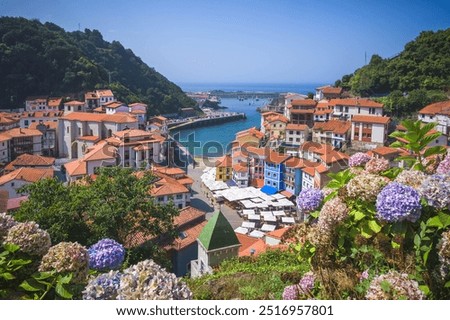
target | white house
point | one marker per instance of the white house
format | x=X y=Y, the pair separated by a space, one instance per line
x=333 y=132
x=369 y=132
x=16 y=179
x=347 y=108
x=296 y=134
x=115 y=107
x=42 y=104
x=74 y=106
x=4 y=148
x=84 y=126
x=27 y=118
x=439 y=113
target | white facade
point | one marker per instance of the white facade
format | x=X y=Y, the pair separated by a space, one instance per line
x=307 y=181
x=296 y=137
x=241 y=178
x=27 y=118
x=443 y=121
x=180 y=200
x=12 y=187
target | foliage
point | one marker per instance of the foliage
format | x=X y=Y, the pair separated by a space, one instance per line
x=260 y=277
x=115 y=205
x=43 y=59
x=415 y=140
x=422 y=70
x=391 y=246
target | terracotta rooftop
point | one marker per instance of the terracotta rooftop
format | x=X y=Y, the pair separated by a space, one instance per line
x=132 y=133
x=187 y=215
x=295 y=162
x=21 y=132
x=189 y=237
x=253 y=151
x=100 y=151
x=224 y=162
x=14 y=203
x=167 y=186
x=304 y=102
x=104 y=93
x=371 y=119
x=49 y=124
x=332 y=90
x=114 y=104
x=27 y=174
x=89 y=138
x=302 y=111
x=257 y=183
x=74 y=103
x=442 y=107
x=278 y=233
x=299 y=127
x=309 y=171
x=240 y=167
x=252 y=131
x=98 y=117
x=335 y=126
x=29 y=160
x=356 y=102
x=276 y=158
x=383 y=151
x=277 y=117
x=250 y=246
x=76 y=168
x=169 y=171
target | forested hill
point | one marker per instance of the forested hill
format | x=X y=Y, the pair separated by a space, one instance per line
x=44 y=59
x=422 y=68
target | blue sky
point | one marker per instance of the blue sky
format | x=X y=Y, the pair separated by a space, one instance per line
x=257 y=41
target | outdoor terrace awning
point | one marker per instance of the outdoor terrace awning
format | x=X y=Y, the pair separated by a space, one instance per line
x=257 y=234
x=241 y=230
x=268 y=227
x=269 y=190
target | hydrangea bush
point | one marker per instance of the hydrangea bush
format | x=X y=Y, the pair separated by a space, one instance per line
x=309 y=199
x=29 y=237
x=6 y=223
x=67 y=257
x=103 y=286
x=383 y=231
x=106 y=254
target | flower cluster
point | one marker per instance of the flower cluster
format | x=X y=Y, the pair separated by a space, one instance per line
x=436 y=190
x=29 y=237
x=306 y=284
x=358 y=159
x=6 y=223
x=400 y=287
x=148 y=281
x=332 y=213
x=364 y=275
x=365 y=187
x=412 y=178
x=444 y=253
x=106 y=254
x=103 y=287
x=397 y=202
x=309 y=199
x=444 y=166
x=377 y=165
x=290 y=292
x=67 y=257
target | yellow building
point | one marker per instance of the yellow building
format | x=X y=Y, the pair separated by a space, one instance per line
x=224 y=168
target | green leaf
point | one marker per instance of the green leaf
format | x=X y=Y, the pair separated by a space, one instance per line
x=374 y=226
x=358 y=215
x=7 y=276
x=65 y=279
x=365 y=231
x=28 y=287
x=62 y=292
x=425 y=289
x=11 y=247
x=435 y=222
x=315 y=214
x=395 y=245
x=385 y=286
x=447 y=284
x=417 y=241
x=396 y=144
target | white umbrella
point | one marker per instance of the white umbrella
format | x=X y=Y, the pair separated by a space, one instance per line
x=241 y=230
x=257 y=234
x=268 y=227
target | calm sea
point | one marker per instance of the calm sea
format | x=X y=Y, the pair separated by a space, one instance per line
x=215 y=140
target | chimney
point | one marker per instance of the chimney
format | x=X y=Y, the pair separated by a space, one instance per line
x=252 y=251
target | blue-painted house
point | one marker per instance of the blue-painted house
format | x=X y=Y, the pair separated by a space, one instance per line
x=293 y=174
x=274 y=169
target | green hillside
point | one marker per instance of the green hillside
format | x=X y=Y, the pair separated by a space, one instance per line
x=421 y=71
x=44 y=59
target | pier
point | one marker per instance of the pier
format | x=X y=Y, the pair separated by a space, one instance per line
x=211 y=119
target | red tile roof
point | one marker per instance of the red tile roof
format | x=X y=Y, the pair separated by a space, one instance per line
x=98 y=117
x=335 y=126
x=383 y=151
x=304 y=102
x=49 y=124
x=224 y=162
x=252 y=131
x=299 y=127
x=371 y=119
x=74 y=103
x=276 y=158
x=89 y=138
x=442 y=107
x=187 y=215
x=332 y=90
x=240 y=167
x=14 y=203
x=27 y=174
x=31 y=160
x=250 y=246
x=356 y=102
x=278 y=233
x=167 y=186
x=21 y=132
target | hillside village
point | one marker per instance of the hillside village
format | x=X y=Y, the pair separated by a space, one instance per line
x=299 y=143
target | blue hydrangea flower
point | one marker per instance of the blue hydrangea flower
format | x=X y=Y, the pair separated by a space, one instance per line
x=358 y=159
x=397 y=202
x=103 y=287
x=309 y=199
x=436 y=190
x=106 y=254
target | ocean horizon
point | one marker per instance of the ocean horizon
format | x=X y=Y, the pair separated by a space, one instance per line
x=303 y=88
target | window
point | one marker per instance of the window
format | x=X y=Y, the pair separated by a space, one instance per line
x=291 y=132
x=68 y=108
x=26 y=123
x=179 y=196
x=180 y=206
x=359 y=109
x=220 y=176
x=160 y=199
x=12 y=184
x=79 y=108
x=68 y=129
x=91 y=133
x=437 y=141
x=79 y=131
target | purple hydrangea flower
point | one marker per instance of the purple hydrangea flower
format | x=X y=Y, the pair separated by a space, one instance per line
x=436 y=190
x=397 y=202
x=106 y=254
x=444 y=166
x=306 y=283
x=364 y=275
x=358 y=159
x=103 y=287
x=290 y=293
x=309 y=199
